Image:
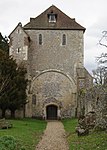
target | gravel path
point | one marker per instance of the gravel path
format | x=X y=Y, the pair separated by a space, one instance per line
x=54 y=137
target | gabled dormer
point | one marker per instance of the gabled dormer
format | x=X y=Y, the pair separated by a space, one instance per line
x=52 y=17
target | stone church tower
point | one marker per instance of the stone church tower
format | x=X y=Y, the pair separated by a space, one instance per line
x=52 y=48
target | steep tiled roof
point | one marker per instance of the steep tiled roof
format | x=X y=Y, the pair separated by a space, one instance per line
x=62 y=21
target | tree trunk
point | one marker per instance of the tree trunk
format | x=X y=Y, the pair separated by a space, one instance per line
x=12 y=113
x=3 y=113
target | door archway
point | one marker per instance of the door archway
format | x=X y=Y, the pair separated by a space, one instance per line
x=52 y=112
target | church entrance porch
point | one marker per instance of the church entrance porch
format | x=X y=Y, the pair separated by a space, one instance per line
x=52 y=112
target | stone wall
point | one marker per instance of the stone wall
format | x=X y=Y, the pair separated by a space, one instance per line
x=18 y=113
x=84 y=83
x=94 y=100
x=19 y=42
x=52 y=54
x=53 y=87
x=51 y=68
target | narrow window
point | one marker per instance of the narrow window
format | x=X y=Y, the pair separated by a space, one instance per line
x=40 y=39
x=34 y=99
x=63 y=39
x=18 y=31
x=18 y=49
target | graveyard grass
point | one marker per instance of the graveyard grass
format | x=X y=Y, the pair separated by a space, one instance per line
x=93 y=141
x=27 y=131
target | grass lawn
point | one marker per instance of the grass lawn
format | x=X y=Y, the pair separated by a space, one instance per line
x=94 y=141
x=27 y=131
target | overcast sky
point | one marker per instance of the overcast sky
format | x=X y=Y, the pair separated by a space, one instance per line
x=92 y=14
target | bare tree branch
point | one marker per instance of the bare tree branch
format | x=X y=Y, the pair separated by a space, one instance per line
x=103 y=37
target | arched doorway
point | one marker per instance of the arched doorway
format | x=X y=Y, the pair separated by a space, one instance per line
x=51 y=112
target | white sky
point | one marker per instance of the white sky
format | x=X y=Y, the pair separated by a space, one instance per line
x=92 y=14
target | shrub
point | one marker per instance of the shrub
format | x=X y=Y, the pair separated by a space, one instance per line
x=10 y=143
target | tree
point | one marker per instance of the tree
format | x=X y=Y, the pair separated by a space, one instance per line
x=99 y=75
x=12 y=84
x=102 y=59
x=4 y=43
x=103 y=39
x=17 y=92
x=7 y=71
x=100 y=92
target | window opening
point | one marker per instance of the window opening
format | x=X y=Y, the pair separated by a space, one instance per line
x=40 y=39
x=34 y=99
x=52 y=18
x=18 y=50
x=64 y=39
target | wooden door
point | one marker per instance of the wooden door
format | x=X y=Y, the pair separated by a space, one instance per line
x=51 y=112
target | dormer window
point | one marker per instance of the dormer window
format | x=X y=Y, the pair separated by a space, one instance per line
x=52 y=17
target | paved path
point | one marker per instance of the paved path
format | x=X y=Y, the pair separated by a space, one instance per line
x=54 y=137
